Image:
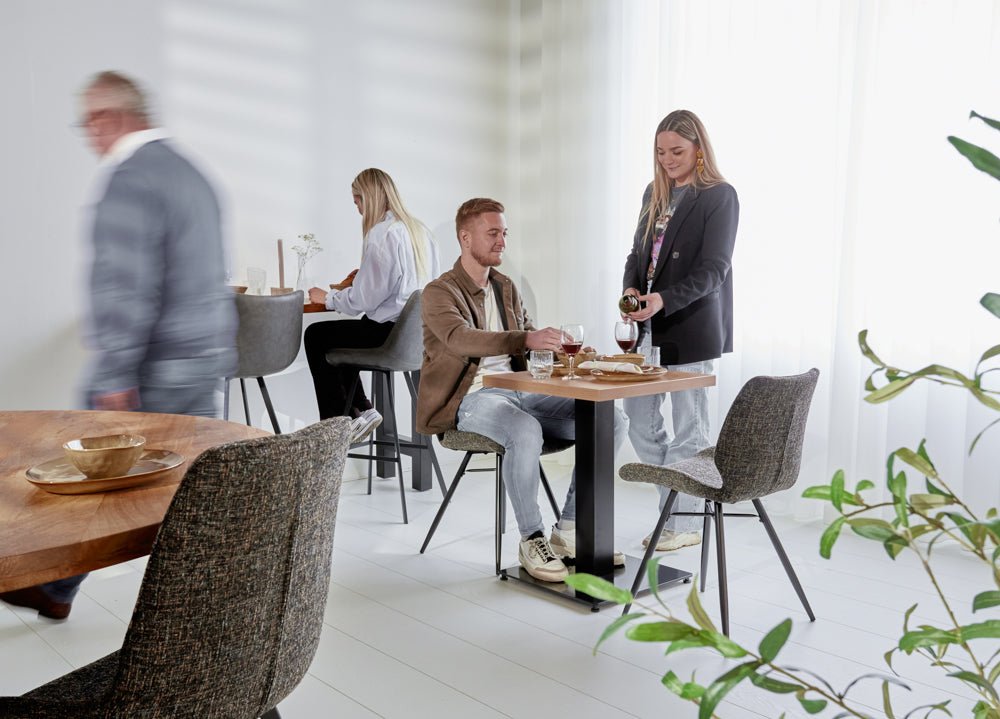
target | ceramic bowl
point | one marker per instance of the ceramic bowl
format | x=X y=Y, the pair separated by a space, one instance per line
x=108 y=456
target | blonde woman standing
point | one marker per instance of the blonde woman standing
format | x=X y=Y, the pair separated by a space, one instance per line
x=680 y=268
x=398 y=257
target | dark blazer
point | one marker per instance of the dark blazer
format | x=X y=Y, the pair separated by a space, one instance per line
x=693 y=275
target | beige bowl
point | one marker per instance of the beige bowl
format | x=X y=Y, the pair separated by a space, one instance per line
x=109 y=456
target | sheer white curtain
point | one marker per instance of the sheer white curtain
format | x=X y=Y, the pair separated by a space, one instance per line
x=830 y=120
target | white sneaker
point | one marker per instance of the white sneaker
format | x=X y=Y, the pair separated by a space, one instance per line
x=670 y=541
x=538 y=560
x=563 y=543
x=364 y=424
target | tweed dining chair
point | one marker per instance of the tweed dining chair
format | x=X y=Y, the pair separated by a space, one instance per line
x=472 y=444
x=758 y=453
x=231 y=606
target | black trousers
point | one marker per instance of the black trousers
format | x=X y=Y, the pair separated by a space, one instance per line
x=331 y=383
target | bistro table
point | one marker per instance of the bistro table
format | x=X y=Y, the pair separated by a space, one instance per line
x=595 y=486
x=47 y=536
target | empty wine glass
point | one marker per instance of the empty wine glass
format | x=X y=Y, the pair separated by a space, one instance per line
x=626 y=335
x=571 y=339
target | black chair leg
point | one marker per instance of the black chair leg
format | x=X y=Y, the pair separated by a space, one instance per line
x=391 y=392
x=267 y=403
x=651 y=547
x=548 y=492
x=706 y=536
x=720 y=553
x=445 y=501
x=411 y=386
x=225 y=398
x=246 y=404
x=501 y=513
x=759 y=506
x=272 y=714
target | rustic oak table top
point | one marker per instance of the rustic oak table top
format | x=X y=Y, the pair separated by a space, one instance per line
x=587 y=388
x=46 y=536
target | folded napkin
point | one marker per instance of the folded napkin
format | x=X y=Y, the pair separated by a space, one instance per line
x=619 y=367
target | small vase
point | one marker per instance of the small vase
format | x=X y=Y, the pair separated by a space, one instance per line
x=302 y=281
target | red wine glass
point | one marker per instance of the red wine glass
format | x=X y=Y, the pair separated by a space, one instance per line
x=571 y=338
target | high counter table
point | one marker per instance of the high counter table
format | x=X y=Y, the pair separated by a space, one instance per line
x=595 y=487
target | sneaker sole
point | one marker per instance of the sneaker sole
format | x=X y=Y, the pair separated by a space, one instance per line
x=363 y=432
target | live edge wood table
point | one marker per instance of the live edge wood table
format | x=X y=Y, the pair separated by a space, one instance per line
x=47 y=536
x=595 y=487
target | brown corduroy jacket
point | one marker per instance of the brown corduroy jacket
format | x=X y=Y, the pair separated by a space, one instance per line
x=454 y=341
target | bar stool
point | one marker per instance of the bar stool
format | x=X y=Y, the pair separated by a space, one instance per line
x=403 y=352
x=472 y=443
x=267 y=342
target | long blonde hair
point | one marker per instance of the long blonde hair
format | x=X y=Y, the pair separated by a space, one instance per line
x=378 y=195
x=686 y=124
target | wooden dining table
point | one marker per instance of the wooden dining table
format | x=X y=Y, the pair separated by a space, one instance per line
x=45 y=536
x=595 y=461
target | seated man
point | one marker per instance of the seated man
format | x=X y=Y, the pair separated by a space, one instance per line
x=474 y=325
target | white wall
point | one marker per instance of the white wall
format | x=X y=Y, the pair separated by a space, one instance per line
x=281 y=101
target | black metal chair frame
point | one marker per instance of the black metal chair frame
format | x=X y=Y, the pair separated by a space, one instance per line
x=246 y=405
x=500 y=521
x=383 y=375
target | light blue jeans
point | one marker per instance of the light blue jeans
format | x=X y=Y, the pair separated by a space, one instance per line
x=518 y=421
x=653 y=445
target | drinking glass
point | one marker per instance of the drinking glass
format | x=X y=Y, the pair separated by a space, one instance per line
x=626 y=335
x=571 y=338
x=256 y=280
x=652 y=356
x=540 y=364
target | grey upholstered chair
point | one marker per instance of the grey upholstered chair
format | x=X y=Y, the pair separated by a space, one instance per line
x=231 y=606
x=472 y=443
x=758 y=453
x=402 y=351
x=268 y=341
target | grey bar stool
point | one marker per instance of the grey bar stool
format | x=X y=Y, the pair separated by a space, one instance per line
x=472 y=443
x=402 y=351
x=268 y=340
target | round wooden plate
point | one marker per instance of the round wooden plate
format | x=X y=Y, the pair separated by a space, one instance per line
x=647 y=374
x=59 y=476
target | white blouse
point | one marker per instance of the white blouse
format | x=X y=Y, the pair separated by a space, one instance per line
x=387 y=275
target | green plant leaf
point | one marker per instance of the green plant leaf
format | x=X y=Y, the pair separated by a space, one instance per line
x=830 y=535
x=666 y=631
x=926 y=637
x=653 y=578
x=701 y=617
x=890 y=390
x=863 y=485
x=985 y=398
x=774 y=640
x=981 y=433
x=773 y=685
x=929 y=502
x=615 y=626
x=917 y=461
x=837 y=490
x=887 y=702
x=812 y=706
x=991 y=301
x=870 y=528
x=718 y=689
x=685 y=690
x=988 y=355
x=981 y=158
x=984 y=600
x=989 y=629
x=992 y=123
x=934 y=489
x=975 y=679
x=894 y=545
x=692 y=642
x=975 y=532
x=599 y=588
x=724 y=645
x=897 y=486
x=866 y=350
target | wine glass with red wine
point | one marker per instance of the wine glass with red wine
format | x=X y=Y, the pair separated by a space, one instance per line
x=626 y=335
x=571 y=338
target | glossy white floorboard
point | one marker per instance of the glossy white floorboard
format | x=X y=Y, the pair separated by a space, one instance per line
x=437 y=635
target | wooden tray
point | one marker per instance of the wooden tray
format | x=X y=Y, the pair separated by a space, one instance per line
x=647 y=374
x=59 y=476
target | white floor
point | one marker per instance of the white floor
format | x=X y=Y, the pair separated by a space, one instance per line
x=437 y=635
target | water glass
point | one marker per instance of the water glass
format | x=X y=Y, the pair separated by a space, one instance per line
x=651 y=356
x=540 y=364
x=256 y=280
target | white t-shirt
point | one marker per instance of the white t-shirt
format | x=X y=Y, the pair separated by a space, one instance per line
x=495 y=363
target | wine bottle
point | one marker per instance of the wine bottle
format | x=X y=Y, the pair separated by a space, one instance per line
x=628 y=304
